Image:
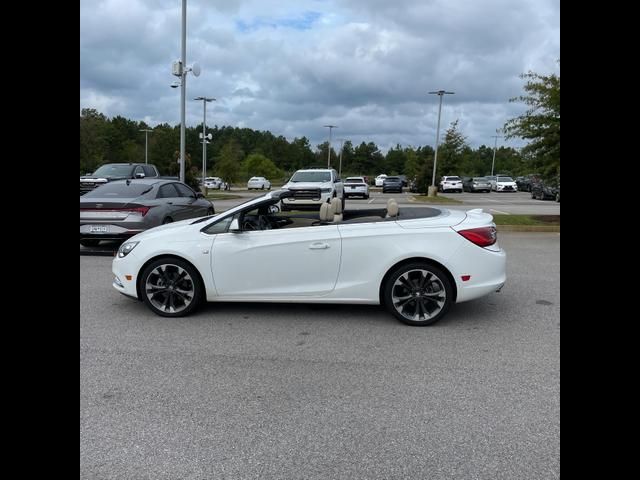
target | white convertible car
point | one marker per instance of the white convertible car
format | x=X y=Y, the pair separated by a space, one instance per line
x=415 y=261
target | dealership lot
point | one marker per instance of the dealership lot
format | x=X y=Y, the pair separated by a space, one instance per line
x=295 y=391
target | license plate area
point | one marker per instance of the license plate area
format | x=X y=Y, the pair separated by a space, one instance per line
x=98 y=229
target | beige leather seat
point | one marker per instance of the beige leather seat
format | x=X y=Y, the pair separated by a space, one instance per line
x=336 y=208
x=326 y=213
x=392 y=208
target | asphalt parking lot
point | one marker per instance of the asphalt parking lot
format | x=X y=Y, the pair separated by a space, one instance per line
x=295 y=391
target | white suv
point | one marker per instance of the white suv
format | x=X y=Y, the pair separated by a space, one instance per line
x=451 y=183
x=312 y=187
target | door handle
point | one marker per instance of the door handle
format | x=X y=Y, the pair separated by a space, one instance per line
x=318 y=246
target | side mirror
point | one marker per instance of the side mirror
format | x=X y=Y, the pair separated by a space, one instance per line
x=274 y=208
x=199 y=195
x=88 y=174
x=235 y=226
x=337 y=180
x=139 y=175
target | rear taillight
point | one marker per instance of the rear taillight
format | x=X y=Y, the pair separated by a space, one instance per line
x=483 y=237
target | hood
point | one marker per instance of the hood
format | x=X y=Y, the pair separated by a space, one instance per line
x=305 y=185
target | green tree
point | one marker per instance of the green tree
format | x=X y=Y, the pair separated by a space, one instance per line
x=257 y=165
x=540 y=123
x=228 y=165
x=451 y=152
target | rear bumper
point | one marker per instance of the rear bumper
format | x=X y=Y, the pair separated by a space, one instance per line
x=487 y=271
x=113 y=232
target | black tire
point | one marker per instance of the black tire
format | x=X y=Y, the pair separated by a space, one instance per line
x=423 y=284
x=533 y=195
x=89 y=243
x=210 y=212
x=344 y=201
x=261 y=188
x=183 y=292
x=366 y=197
x=167 y=220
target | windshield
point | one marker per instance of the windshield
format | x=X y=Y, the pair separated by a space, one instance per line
x=113 y=171
x=119 y=190
x=355 y=180
x=452 y=179
x=393 y=179
x=505 y=179
x=311 y=177
x=480 y=179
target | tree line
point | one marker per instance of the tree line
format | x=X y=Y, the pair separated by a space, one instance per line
x=236 y=154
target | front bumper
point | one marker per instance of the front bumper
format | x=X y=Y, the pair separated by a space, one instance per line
x=125 y=275
x=307 y=202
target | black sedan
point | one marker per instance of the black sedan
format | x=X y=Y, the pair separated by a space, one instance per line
x=123 y=208
x=392 y=184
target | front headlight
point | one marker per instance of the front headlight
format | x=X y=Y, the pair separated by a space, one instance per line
x=126 y=248
x=325 y=190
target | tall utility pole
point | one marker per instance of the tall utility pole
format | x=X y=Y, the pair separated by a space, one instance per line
x=205 y=100
x=495 y=146
x=146 y=144
x=183 y=90
x=433 y=188
x=329 y=149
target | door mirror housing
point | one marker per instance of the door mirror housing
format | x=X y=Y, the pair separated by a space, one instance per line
x=235 y=226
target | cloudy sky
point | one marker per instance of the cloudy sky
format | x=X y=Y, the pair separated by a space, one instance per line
x=292 y=66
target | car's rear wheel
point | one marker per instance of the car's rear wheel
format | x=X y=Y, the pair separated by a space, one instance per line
x=89 y=243
x=418 y=294
x=167 y=220
x=210 y=212
x=171 y=287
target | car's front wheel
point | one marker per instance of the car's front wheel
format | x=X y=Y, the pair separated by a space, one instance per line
x=171 y=287
x=418 y=294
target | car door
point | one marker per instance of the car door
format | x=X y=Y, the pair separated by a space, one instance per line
x=168 y=198
x=277 y=263
x=188 y=206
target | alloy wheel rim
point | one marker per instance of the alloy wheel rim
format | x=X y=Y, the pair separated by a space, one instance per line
x=418 y=295
x=170 y=288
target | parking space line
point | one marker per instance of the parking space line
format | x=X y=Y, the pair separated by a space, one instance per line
x=371 y=200
x=499 y=211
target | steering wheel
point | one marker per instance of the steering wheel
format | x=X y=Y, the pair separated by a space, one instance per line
x=250 y=225
x=264 y=223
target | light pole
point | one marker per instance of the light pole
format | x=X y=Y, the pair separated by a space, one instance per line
x=432 y=188
x=329 y=149
x=205 y=100
x=341 y=147
x=495 y=146
x=146 y=143
x=180 y=70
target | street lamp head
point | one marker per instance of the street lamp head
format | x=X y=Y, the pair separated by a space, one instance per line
x=175 y=84
x=441 y=92
x=206 y=99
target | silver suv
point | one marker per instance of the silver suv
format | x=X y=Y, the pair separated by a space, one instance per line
x=312 y=187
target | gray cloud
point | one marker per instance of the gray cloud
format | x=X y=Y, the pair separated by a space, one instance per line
x=292 y=66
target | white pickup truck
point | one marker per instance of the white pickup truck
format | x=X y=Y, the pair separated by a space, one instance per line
x=312 y=187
